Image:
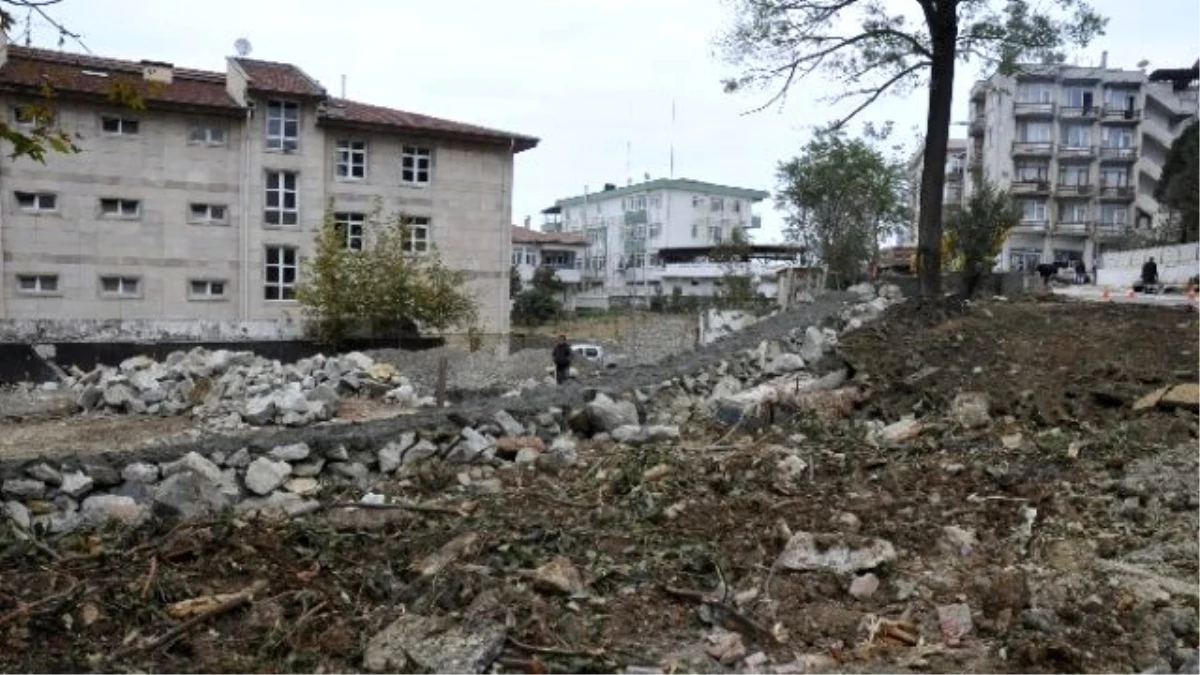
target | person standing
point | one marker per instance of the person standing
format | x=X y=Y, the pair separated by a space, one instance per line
x=1149 y=275
x=562 y=359
x=1080 y=271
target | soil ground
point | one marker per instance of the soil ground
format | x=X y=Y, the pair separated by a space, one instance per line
x=1111 y=489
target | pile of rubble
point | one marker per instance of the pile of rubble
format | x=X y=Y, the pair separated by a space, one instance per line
x=240 y=387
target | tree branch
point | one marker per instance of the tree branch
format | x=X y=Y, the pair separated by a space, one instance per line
x=879 y=91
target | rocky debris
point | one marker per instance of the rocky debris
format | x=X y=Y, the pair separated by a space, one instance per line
x=971 y=410
x=559 y=576
x=76 y=484
x=1186 y=396
x=19 y=513
x=863 y=587
x=21 y=488
x=263 y=476
x=726 y=646
x=188 y=494
x=837 y=552
x=435 y=645
x=221 y=384
x=898 y=432
x=277 y=505
x=140 y=472
x=45 y=473
x=100 y=509
x=604 y=415
x=954 y=622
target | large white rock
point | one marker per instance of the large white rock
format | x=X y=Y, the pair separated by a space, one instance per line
x=76 y=484
x=814 y=345
x=434 y=645
x=100 y=509
x=263 y=475
x=290 y=453
x=607 y=415
x=840 y=553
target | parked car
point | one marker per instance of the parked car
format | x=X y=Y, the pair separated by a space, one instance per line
x=596 y=354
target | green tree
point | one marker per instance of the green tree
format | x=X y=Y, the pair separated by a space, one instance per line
x=541 y=302
x=869 y=48
x=975 y=233
x=1178 y=187
x=737 y=284
x=841 y=198
x=386 y=288
x=514 y=282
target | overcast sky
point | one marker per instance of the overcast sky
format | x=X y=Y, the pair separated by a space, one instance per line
x=593 y=80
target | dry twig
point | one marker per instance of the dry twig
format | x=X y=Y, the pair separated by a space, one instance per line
x=593 y=652
x=49 y=599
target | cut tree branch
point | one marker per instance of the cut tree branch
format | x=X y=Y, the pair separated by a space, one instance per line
x=878 y=92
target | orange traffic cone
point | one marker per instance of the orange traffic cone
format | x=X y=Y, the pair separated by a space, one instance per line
x=1107 y=295
x=1191 y=294
x=1129 y=293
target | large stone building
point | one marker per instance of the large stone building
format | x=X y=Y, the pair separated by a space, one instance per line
x=1081 y=148
x=203 y=204
x=952 y=192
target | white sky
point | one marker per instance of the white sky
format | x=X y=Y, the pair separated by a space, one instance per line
x=590 y=79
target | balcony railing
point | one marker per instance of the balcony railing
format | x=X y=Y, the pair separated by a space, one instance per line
x=1089 y=112
x=1028 y=148
x=1068 y=150
x=954 y=174
x=1107 y=229
x=1118 y=154
x=1121 y=114
x=1116 y=192
x=1031 y=186
x=1032 y=108
x=636 y=217
x=976 y=127
x=1032 y=225
x=1073 y=227
x=1065 y=190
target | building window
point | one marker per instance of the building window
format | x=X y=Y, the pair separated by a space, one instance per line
x=281 y=198
x=119 y=126
x=697 y=201
x=1035 y=132
x=1114 y=178
x=655 y=230
x=1073 y=213
x=656 y=201
x=30 y=116
x=695 y=230
x=1118 y=138
x=281 y=273
x=415 y=164
x=206 y=289
x=1078 y=136
x=418 y=234
x=209 y=214
x=1033 y=212
x=120 y=287
x=205 y=133
x=120 y=208
x=1033 y=93
x=283 y=125
x=37 y=202
x=735 y=205
x=350 y=225
x=1073 y=176
x=1033 y=173
x=1067 y=256
x=1113 y=215
x=35 y=284
x=516 y=258
x=1021 y=259
x=351 y=160
x=716 y=204
x=714 y=234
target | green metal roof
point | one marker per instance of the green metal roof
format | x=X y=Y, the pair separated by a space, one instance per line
x=683 y=184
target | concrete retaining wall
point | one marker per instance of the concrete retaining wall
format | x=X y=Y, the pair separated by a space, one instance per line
x=1176 y=264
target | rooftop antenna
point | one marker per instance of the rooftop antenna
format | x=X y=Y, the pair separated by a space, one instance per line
x=672 y=138
x=243 y=47
x=343 y=86
x=628 y=173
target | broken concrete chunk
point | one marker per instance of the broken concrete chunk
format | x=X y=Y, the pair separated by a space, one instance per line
x=954 y=622
x=1186 y=396
x=290 y=453
x=559 y=576
x=23 y=488
x=188 y=494
x=843 y=553
x=263 y=475
x=434 y=644
x=971 y=410
x=76 y=484
x=45 y=473
x=899 y=432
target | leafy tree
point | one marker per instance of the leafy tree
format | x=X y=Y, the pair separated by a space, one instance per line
x=541 y=302
x=737 y=285
x=1177 y=187
x=38 y=133
x=384 y=289
x=514 y=282
x=870 y=49
x=841 y=198
x=975 y=233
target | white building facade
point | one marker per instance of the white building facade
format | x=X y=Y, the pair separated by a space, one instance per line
x=1080 y=148
x=627 y=228
x=562 y=252
x=202 y=206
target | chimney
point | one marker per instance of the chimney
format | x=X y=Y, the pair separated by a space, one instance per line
x=158 y=71
x=1104 y=59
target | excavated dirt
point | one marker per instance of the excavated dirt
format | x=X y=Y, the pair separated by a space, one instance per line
x=1072 y=534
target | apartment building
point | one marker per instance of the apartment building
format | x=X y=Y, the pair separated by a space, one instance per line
x=632 y=231
x=562 y=252
x=1081 y=148
x=953 y=192
x=202 y=205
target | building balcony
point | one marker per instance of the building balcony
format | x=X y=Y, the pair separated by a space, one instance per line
x=1031 y=227
x=1118 y=154
x=1029 y=109
x=1116 y=192
x=636 y=217
x=1066 y=151
x=1090 y=112
x=568 y=275
x=1031 y=187
x=1081 y=228
x=1063 y=190
x=1110 y=230
x=954 y=175
x=976 y=127
x=1026 y=149
x=1121 y=115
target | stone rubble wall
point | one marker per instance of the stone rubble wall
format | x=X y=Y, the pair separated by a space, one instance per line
x=288 y=479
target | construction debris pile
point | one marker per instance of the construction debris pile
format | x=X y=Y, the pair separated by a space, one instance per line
x=952 y=502
x=240 y=387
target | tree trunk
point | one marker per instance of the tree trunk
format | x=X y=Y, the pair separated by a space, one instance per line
x=937 y=134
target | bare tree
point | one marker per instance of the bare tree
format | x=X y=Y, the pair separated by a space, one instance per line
x=870 y=49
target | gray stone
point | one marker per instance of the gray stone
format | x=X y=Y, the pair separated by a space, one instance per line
x=658 y=433
x=290 y=453
x=527 y=456
x=291 y=399
x=970 y=410
x=302 y=486
x=18 y=512
x=356 y=361
x=45 y=473
x=630 y=434
x=195 y=462
x=259 y=411
x=239 y=459
x=865 y=292
x=90 y=397
x=814 y=345
x=102 y=473
x=76 y=484
x=471 y=448
x=352 y=470
x=508 y=424
x=843 y=553
x=263 y=475
x=955 y=622
x=422 y=449
x=337 y=453
x=189 y=494
x=277 y=505
x=786 y=363
x=23 y=488
x=390 y=457
x=118 y=396
x=138 y=362
x=863 y=587
x=308 y=469
x=434 y=644
x=606 y=414
x=101 y=509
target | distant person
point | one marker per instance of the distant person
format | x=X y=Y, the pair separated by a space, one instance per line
x=1080 y=272
x=1095 y=273
x=1047 y=270
x=1149 y=274
x=562 y=356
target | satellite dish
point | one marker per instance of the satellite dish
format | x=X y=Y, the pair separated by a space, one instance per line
x=1143 y=63
x=242 y=46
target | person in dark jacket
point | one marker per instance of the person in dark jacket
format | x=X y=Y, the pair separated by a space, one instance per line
x=1149 y=273
x=1080 y=272
x=562 y=359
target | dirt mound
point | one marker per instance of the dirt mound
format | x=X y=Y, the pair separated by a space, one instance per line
x=1050 y=363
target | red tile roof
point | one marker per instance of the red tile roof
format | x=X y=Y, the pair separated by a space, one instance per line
x=28 y=70
x=355 y=113
x=521 y=235
x=279 y=78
